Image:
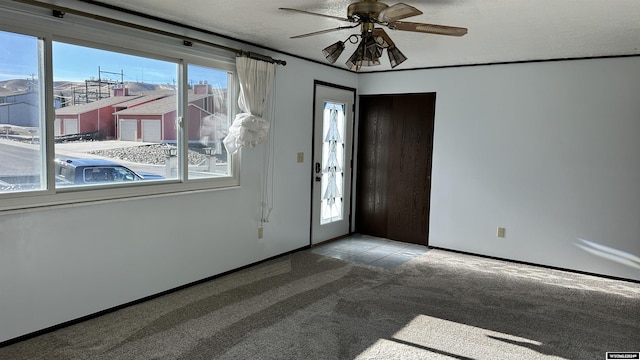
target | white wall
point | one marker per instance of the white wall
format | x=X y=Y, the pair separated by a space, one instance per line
x=550 y=151
x=59 y=264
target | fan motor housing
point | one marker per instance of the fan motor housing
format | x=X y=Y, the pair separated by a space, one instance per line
x=365 y=9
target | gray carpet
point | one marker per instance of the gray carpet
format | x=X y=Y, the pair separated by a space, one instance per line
x=440 y=305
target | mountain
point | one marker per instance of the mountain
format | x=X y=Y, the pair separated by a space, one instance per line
x=69 y=88
x=15 y=86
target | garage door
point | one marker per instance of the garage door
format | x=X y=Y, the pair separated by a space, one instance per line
x=70 y=126
x=129 y=130
x=57 y=129
x=150 y=130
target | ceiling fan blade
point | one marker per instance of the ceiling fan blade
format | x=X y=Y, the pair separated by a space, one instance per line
x=427 y=28
x=397 y=11
x=315 y=14
x=323 y=31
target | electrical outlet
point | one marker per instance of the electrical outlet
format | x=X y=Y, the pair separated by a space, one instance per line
x=501 y=232
x=300 y=157
x=260 y=233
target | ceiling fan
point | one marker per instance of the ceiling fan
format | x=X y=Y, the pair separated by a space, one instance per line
x=373 y=40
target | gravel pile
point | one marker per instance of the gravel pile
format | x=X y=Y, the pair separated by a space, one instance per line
x=146 y=154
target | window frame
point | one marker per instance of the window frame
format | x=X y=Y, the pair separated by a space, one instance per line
x=76 y=30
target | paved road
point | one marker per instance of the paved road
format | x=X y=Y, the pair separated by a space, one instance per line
x=19 y=159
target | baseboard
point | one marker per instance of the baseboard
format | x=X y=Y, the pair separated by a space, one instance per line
x=537 y=265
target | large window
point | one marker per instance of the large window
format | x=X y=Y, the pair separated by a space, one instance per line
x=83 y=119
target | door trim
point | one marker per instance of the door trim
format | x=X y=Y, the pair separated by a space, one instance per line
x=317 y=83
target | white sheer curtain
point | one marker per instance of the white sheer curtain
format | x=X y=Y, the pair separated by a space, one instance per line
x=256 y=82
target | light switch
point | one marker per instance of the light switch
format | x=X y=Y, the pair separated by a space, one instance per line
x=300 y=157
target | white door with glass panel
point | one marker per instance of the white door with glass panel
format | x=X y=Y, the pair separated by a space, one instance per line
x=333 y=137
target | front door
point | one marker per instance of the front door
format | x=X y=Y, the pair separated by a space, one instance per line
x=331 y=172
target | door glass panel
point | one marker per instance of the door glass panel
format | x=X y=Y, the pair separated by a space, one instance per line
x=332 y=162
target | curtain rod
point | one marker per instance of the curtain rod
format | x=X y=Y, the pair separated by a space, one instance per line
x=60 y=11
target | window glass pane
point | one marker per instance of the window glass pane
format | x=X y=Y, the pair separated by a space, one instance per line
x=115 y=117
x=209 y=121
x=20 y=114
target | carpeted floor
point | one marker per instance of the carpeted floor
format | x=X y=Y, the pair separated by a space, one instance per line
x=439 y=305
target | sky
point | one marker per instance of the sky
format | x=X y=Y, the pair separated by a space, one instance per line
x=19 y=56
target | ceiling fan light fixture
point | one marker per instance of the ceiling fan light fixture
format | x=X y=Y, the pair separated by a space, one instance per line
x=372 y=50
x=367 y=54
x=395 y=56
x=357 y=61
x=354 y=61
x=333 y=51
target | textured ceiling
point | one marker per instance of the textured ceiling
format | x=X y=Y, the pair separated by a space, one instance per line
x=499 y=30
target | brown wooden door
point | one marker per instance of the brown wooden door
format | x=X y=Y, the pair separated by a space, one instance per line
x=395 y=144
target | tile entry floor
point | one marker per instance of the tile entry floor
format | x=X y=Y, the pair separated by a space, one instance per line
x=370 y=250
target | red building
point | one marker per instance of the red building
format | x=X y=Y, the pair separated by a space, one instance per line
x=148 y=118
x=84 y=118
x=155 y=121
